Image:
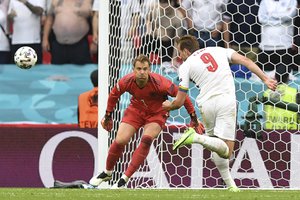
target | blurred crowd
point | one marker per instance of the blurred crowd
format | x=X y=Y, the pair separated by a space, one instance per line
x=66 y=31
x=60 y=31
x=266 y=31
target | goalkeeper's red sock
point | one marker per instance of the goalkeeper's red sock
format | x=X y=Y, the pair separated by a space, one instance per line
x=114 y=153
x=139 y=155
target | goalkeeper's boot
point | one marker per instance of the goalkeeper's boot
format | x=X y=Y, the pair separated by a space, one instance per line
x=99 y=178
x=120 y=184
x=233 y=189
x=186 y=138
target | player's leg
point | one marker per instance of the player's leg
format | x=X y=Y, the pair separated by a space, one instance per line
x=124 y=134
x=151 y=131
x=219 y=118
x=131 y=122
x=213 y=144
x=225 y=125
x=152 y=128
x=222 y=165
x=211 y=141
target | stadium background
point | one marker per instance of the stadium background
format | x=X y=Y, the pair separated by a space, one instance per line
x=277 y=148
x=47 y=94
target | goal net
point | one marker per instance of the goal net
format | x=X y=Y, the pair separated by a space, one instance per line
x=267 y=153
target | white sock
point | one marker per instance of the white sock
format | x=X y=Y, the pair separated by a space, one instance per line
x=223 y=167
x=108 y=172
x=125 y=178
x=213 y=144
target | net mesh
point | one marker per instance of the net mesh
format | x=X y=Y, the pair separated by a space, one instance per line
x=266 y=155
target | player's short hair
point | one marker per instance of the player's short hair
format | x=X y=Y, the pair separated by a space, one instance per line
x=141 y=58
x=188 y=42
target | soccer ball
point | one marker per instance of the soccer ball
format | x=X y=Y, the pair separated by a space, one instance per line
x=25 y=57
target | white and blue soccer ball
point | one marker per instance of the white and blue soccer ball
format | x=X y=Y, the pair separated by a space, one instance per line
x=25 y=57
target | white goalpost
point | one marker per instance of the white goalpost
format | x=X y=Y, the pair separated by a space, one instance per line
x=262 y=158
x=103 y=51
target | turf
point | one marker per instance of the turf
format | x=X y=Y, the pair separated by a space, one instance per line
x=144 y=194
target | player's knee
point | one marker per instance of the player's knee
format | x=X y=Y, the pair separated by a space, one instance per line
x=122 y=139
x=117 y=145
x=121 y=142
x=226 y=156
x=146 y=140
x=219 y=161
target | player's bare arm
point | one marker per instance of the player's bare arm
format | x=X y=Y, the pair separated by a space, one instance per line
x=236 y=58
x=176 y=103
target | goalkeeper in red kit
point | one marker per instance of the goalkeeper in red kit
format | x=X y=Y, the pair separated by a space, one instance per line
x=149 y=90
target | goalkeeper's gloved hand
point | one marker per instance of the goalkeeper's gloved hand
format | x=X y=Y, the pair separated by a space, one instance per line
x=196 y=123
x=107 y=122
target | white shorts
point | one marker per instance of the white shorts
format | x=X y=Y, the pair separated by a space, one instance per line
x=219 y=116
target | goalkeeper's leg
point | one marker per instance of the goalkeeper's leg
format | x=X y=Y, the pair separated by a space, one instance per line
x=139 y=155
x=114 y=153
x=138 y=158
x=125 y=132
x=151 y=131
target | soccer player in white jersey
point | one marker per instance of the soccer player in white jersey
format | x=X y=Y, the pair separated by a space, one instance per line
x=209 y=69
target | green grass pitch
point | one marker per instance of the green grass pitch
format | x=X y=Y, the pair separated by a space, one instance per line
x=144 y=194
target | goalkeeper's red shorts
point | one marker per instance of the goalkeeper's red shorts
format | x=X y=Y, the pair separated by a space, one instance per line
x=138 y=118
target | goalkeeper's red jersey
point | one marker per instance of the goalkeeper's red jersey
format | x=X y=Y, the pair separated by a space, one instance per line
x=149 y=98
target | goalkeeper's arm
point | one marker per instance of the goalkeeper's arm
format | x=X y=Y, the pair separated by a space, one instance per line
x=107 y=122
x=113 y=98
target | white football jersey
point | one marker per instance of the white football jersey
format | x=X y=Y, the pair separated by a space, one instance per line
x=209 y=69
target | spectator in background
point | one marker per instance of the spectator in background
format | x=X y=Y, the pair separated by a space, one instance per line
x=142 y=47
x=129 y=22
x=205 y=21
x=95 y=21
x=88 y=105
x=277 y=33
x=46 y=54
x=279 y=118
x=146 y=8
x=4 y=40
x=48 y=5
x=69 y=21
x=297 y=38
x=243 y=26
x=47 y=8
x=25 y=18
x=163 y=28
